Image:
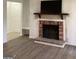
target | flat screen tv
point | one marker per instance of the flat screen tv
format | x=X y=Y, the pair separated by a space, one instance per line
x=51 y=7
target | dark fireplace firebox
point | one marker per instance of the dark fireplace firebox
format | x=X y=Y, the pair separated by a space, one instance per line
x=51 y=31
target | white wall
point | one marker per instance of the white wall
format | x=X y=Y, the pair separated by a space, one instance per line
x=68 y=6
x=14 y=17
x=26 y=14
x=34 y=7
x=4 y=21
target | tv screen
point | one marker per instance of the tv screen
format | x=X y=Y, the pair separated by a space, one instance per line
x=51 y=7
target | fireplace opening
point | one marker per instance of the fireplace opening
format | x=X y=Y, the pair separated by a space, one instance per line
x=51 y=31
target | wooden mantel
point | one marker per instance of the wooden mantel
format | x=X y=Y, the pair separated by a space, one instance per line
x=61 y=15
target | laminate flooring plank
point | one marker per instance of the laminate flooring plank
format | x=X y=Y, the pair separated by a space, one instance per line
x=25 y=48
x=15 y=42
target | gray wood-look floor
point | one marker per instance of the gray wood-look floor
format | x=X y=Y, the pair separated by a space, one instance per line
x=25 y=48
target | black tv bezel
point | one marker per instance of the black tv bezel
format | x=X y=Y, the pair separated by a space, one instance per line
x=52 y=12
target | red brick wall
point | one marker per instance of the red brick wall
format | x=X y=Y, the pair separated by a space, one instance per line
x=51 y=23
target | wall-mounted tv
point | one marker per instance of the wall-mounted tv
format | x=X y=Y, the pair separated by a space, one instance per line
x=51 y=7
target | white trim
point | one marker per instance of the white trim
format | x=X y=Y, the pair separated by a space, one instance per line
x=50 y=44
x=52 y=20
x=64 y=31
x=26 y=28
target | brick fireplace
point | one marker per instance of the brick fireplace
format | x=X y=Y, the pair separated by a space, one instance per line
x=60 y=30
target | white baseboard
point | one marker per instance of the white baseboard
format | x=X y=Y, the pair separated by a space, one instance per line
x=71 y=43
